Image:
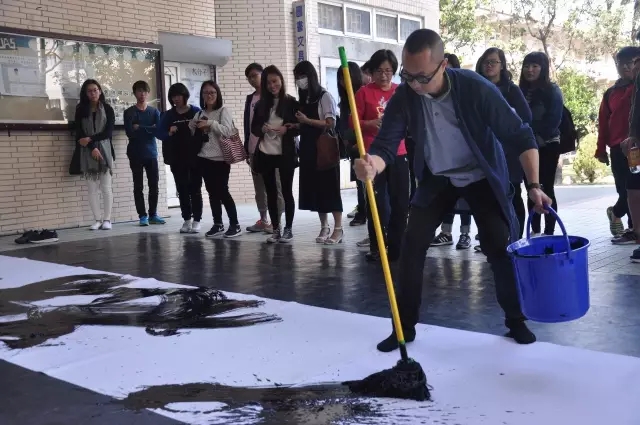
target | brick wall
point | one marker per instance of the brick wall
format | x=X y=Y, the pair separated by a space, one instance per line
x=35 y=188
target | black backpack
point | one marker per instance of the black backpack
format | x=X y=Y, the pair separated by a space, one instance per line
x=569 y=139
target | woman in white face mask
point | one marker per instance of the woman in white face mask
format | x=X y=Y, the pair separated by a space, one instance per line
x=319 y=188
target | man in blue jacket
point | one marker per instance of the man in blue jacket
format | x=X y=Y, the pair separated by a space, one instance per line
x=140 y=123
x=461 y=124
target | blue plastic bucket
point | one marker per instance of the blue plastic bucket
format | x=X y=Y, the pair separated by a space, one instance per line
x=552 y=275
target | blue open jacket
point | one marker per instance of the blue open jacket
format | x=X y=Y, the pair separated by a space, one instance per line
x=487 y=122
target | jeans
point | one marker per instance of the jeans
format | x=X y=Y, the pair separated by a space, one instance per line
x=549 y=156
x=101 y=185
x=493 y=229
x=138 y=167
x=465 y=223
x=216 y=180
x=620 y=171
x=392 y=199
x=189 y=187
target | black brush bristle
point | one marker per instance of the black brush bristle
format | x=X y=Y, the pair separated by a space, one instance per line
x=405 y=380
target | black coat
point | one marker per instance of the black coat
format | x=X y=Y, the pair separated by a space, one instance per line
x=260 y=118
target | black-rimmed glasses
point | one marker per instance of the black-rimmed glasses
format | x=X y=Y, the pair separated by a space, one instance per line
x=421 y=79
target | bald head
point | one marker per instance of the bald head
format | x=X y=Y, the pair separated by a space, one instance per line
x=425 y=39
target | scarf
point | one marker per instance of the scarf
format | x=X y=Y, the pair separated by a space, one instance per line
x=91 y=168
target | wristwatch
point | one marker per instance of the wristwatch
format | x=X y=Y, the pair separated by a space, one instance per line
x=534 y=186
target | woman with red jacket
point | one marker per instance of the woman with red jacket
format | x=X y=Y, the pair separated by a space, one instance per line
x=392 y=185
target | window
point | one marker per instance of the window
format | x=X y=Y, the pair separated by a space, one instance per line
x=407 y=26
x=386 y=27
x=358 y=21
x=330 y=17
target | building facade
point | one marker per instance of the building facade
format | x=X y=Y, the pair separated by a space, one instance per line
x=194 y=41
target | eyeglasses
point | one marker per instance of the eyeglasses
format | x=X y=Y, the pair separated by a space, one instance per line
x=421 y=79
x=491 y=63
x=209 y=93
x=383 y=71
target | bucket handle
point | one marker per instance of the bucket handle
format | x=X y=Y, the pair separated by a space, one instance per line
x=558 y=220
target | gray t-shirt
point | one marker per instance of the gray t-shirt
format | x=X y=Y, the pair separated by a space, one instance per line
x=446 y=151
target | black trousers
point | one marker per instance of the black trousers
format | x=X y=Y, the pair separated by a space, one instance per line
x=138 y=167
x=269 y=166
x=620 y=171
x=410 y=144
x=216 y=180
x=392 y=198
x=549 y=156
x=493 y=229
x=518 y=206
x=360 y=188
x=189 y=187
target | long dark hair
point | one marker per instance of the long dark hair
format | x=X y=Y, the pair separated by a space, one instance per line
x=505 y=75
x=356 y=82
x=313 y=92
x=544 y=80
x=85 y=104
x=453 y=60
x=266 y=98
x=216 y=87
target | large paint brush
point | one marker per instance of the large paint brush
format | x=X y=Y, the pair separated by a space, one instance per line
x=406 y=379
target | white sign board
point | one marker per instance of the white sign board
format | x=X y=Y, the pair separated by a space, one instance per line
x=193 y=75
x=300 y=30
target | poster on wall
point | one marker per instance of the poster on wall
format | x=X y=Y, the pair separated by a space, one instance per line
x=41 y=77
x=192 y=76
x=300 y=30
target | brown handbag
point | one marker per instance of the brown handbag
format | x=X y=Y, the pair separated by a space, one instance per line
x=327 y=151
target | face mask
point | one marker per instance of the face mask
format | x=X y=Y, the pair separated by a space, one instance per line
x=302 y=83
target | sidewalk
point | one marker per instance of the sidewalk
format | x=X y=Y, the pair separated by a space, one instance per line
x=585 y=219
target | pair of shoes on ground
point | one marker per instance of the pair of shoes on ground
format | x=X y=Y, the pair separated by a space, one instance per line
x=154 y=219
x=38 y=236
x=518 y=330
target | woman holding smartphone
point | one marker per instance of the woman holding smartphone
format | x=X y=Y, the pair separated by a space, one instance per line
x=209 y=127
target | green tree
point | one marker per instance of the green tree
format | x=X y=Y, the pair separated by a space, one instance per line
x=580 y=94
x=459 y=24
x=586 y=167
x=611 y=28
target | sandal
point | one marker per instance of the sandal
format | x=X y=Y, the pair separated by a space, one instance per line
x=325 y=232
x=335 y=240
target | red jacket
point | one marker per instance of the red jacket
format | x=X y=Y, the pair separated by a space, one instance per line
x=371 y=102
x=613 y=118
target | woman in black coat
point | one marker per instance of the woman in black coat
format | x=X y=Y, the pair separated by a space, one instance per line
x=275 y=124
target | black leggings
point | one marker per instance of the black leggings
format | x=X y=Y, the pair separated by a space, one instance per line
x=549 y=156
x=216 y=180
x=268 y=166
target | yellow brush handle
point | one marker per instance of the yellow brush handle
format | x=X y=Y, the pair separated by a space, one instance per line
x=372 y=204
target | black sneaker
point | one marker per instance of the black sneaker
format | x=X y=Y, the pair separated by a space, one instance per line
x=442 y=239
x=635 y=257
x=477 y=248
x=519 y=331
x=358 y=221
x=627 y=238
x=26 y=237
x=44 y=236
x=233 y=231
x=275 y=236
x=391 y=342
x=464 y=242
x=372 y=256
x=216 y=230
x=287 y=235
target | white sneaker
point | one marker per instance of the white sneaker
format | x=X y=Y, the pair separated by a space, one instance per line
x=106 y=225
x=186 y=227
x=96 y=225
x=195 y=227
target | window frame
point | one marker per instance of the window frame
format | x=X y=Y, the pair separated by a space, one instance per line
x=330 y=31
x=371 y=13
x=376 y=37
x=419 y=20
